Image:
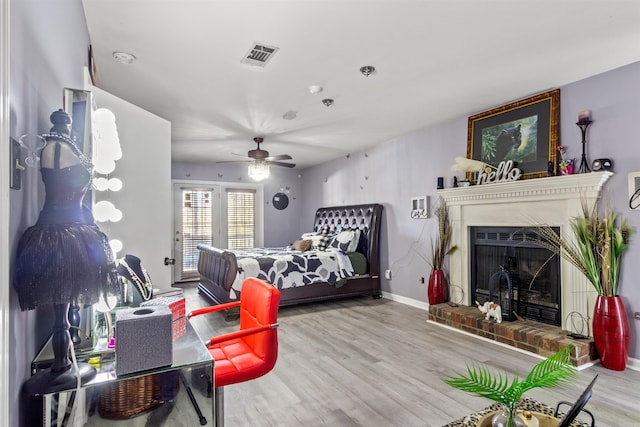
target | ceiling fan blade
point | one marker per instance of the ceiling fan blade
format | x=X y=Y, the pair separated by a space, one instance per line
x=280 y=157
x=240 y=155
x=286 y=165
x=235 y=161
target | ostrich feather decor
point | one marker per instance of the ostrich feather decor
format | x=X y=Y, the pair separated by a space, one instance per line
x=469 y=165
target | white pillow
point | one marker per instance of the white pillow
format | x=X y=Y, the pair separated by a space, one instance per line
x=346 y=240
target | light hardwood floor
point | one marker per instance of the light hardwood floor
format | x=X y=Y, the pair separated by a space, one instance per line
x=366 y=362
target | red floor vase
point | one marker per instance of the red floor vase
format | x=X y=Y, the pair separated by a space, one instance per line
x=438 y=289
x=611 y=332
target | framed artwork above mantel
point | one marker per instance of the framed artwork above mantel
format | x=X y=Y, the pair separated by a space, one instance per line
x=525 y=131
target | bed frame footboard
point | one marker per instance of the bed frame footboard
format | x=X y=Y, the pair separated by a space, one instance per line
x=218 y=269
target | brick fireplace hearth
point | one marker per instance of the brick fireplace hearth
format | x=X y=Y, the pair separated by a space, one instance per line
x=527 y=335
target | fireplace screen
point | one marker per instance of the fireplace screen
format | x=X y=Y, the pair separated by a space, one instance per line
x=509 y=268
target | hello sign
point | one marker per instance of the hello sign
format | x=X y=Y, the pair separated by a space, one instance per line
x=505 y=172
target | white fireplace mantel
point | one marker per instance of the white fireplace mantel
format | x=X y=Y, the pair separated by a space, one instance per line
x=553 y=201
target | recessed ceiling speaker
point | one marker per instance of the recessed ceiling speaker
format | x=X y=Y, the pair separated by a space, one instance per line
x=602 y=165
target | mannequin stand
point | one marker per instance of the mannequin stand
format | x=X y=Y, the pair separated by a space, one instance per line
x=61 y=375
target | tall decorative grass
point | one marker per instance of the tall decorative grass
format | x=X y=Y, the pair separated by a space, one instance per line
x=441 y=246
x=597 y=248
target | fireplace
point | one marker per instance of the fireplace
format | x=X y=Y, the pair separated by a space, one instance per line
x=509 y=268
x=553 y=201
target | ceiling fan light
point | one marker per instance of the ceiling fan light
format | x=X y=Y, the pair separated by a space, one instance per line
x=258 y=171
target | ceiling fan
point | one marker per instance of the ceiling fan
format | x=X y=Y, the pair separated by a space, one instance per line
x=258 y=156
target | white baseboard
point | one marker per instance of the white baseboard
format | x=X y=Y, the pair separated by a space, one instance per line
x=633 y=364
x=407 y=301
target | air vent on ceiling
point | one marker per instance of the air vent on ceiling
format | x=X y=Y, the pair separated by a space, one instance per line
x=259 y=54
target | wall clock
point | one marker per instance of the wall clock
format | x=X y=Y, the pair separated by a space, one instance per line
x=280 y=201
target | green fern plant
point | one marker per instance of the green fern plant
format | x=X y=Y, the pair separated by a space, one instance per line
x=484 y=382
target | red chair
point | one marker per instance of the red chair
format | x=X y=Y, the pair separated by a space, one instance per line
x=250 y=352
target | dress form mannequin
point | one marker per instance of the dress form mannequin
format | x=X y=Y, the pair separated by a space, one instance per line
x=64 y=258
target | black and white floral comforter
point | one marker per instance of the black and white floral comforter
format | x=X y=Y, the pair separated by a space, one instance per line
x=285 y=268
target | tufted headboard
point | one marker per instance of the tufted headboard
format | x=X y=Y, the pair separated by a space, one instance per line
x=366 y=217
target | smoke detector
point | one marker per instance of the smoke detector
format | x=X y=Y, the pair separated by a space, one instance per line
x=290 y=115
x=124 y=57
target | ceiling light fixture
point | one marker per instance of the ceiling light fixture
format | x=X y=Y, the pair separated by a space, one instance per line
x=315 y=89
x=327 y=102
x=367 y=70
x=124 y=57
x=259 y=170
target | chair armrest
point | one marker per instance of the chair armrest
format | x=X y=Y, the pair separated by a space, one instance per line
x=213 y=308
x=239 y=334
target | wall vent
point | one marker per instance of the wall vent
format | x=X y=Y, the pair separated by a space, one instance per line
x=259 y=54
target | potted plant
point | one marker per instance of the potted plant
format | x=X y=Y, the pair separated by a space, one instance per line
x=485 y=382
x=596 y=250
x=437 y=290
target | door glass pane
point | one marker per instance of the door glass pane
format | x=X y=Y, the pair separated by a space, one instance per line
x=241 y=219
x=197 y=227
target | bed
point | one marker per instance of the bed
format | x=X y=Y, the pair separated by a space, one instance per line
x=346 y=269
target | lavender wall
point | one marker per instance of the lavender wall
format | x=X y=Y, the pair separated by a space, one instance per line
x=408 y=166
x=391 y=174
x=614 y=101
x=280 y=226
x=49 y=42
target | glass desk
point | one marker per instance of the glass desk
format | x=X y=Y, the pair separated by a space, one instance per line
x=176 y=395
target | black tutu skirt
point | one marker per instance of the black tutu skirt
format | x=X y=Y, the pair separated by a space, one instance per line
x=64 y=263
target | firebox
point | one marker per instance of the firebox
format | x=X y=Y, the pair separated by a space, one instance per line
x=508 y=267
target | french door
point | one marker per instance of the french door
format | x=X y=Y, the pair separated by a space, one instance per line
x=196 y=211
x=226 y=216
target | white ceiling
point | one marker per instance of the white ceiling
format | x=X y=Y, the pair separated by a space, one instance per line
x=434 y=59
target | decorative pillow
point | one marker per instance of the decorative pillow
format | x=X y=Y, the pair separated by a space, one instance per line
x=307 y=236
x=346 y=241
x=320 y=242
x=301 y=245
x=355 y=242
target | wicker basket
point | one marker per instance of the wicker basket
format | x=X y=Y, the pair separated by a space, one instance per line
x=131 y=397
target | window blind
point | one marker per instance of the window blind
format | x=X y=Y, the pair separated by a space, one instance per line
x=197 y=227
x=241 y=218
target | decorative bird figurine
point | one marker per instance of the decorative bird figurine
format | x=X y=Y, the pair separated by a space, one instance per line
x=469 y=165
